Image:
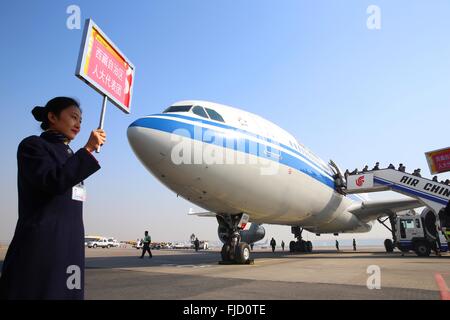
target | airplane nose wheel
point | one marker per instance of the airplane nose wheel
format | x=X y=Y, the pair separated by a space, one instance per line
x=225 y=253
x=233 y=251
x=242 y=253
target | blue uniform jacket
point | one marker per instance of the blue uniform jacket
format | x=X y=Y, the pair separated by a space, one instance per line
x=49 y=236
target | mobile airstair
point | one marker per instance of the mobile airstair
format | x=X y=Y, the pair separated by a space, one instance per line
x=429 y=227
x=432 y=194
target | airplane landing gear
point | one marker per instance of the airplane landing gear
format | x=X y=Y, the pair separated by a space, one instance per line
x=233 y=250
x=300 y=245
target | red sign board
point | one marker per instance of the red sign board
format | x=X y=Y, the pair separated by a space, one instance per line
x=439 y=160
x=105 y=68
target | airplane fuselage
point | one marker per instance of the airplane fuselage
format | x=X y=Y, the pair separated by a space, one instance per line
x=238 y=162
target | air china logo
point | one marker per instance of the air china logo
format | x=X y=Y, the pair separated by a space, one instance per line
x=360 y=181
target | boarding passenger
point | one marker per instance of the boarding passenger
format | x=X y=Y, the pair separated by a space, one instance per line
x=346 y=173
x=377 y=166
x=146 y=248
x=45 y=259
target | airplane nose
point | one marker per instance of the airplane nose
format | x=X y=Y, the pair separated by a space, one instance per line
x=146 y=142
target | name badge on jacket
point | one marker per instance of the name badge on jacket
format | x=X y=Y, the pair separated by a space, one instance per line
x=79 y=192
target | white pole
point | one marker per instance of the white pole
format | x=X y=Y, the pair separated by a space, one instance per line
x=102 y=117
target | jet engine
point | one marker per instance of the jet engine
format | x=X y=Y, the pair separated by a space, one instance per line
x=250 y=234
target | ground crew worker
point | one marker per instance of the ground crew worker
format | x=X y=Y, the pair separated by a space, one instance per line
x=354 y=245
x=273 y=243
x=45 y=259
x=196 y=244
x=146 y=248
x=282 y=245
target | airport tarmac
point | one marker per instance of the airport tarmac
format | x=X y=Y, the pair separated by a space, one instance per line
x=117 y=273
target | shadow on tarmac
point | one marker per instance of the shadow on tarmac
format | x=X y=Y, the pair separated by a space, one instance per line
x=202 y=258
x=213 y=257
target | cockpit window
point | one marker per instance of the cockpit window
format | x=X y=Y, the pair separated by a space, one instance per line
x=177 y=109
x=200 y=111
x=214 y=115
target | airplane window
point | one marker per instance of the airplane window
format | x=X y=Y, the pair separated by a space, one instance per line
x=408 y=224
x=214 y=115
x=200 y=112
x=177 y=109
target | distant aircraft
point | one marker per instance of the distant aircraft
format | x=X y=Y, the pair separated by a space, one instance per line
x=243 y=168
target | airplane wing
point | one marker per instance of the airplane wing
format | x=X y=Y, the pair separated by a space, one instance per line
x=202 y=214
x=372 y=209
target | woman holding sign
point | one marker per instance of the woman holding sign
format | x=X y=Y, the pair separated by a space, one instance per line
x=45 y=259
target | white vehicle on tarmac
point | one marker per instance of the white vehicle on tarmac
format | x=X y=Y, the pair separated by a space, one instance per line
x=88 y=239
x=113 y=243
x=182 y=245
x=416 y=232
x=102 y=242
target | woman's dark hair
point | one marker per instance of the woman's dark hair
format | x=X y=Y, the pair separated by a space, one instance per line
x=55 y=105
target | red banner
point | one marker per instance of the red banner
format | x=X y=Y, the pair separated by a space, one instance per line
x=105 y=68
x=439 y=160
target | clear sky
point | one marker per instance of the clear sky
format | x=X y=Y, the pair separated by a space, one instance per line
x=349 y=93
